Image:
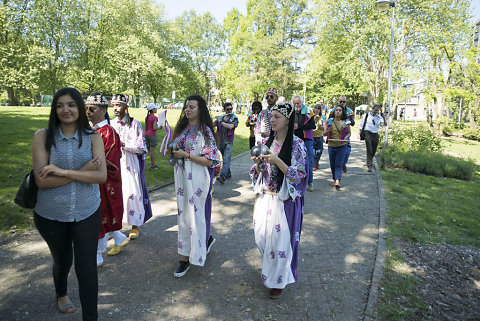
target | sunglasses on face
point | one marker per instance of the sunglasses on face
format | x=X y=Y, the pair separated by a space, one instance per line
x=270 y=97
x=229 y=109
x=342 y=101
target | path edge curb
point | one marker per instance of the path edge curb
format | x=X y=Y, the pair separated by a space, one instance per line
x=378 y=269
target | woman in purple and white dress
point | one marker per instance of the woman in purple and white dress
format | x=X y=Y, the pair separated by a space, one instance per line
x=280 y=189
x=194 y=174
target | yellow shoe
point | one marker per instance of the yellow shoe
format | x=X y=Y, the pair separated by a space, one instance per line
x=134 y=233
x=116 y=249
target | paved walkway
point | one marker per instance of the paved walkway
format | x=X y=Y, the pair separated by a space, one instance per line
x=337 y=255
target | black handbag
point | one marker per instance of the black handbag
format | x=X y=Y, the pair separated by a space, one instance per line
x=362 y=132
x=27 y=193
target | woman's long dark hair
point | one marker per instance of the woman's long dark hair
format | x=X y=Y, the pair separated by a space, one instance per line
x=54 y=123
x=344 y=112
x=286 y=152
x=146 y=117
x=205 y=119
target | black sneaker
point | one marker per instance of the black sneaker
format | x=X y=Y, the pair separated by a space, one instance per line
x=182 y=269
x=211 y=241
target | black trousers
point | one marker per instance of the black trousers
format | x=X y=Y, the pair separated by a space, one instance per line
x=252 y=141
x=371 y=140
x=74 y=239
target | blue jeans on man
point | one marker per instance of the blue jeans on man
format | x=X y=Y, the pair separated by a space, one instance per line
x=318 y=150
x=226 y=150
x=347 y=153
x=310 y=154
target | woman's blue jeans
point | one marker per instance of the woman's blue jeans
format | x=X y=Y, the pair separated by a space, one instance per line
x=336 y=155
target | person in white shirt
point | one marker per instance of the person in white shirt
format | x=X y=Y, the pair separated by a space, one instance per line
x=137 y=209
x=375 y=119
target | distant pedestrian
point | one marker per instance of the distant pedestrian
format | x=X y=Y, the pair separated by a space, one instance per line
x=195 y=138
x=111 y=204
x=415 y=115
x=151 y=126
x=320 y=117
x=375 y=119
x=136 y=202
x=226 y=125
x=338 y=131
x=252 y=120
x=69 y=163
x=342 y=101
x=323 y=108
x=263 y=127
x=280 y=190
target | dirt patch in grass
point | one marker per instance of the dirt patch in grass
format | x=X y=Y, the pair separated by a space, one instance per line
x=448 y=279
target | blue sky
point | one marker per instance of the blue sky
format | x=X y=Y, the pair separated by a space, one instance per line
x=220 y=8
x=476 y=10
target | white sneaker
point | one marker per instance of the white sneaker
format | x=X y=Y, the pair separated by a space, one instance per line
x=99 y=260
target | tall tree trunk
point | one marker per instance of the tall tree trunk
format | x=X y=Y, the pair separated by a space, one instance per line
x=12 y=100
x=447 y=122
x=440 y=107
x=471 y=115
x=431 y=113
x=396 y=103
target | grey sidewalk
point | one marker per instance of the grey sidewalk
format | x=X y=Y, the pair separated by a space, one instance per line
x=337 y=255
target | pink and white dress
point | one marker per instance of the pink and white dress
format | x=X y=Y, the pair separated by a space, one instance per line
x=193 y=186
x=278 y=216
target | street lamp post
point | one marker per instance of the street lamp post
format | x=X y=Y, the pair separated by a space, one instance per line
x=385 y=5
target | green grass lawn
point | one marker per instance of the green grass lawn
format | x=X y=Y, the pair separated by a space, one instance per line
x=424 y=209
x=430 y=209
x=463 y=147
x=17 y=126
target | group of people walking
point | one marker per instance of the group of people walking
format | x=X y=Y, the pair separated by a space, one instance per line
x=90 y=173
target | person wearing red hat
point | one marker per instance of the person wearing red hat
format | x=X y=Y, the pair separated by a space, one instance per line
x=263 y=127
x=111 y=204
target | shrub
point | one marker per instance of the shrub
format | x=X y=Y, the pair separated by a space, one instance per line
x=419 y=137
x=430 y=163
x=460 y=125
x=472 y=134
x=447 y=130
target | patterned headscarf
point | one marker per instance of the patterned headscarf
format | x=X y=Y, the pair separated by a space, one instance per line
x=120 y=98
x=273 y=91
x=284 y=108
x=97 y=99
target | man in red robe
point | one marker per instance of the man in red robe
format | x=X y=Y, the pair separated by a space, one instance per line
x=111 y=204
